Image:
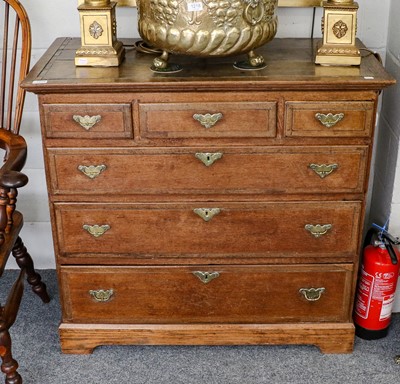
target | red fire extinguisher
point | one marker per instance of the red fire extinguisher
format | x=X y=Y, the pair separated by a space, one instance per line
x=377 y=285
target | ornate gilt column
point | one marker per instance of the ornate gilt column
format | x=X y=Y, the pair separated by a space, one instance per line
x=100 y=46
x=339 y=26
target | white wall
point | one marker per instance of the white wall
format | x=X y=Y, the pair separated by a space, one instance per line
x=54 y=18
x=386 y=193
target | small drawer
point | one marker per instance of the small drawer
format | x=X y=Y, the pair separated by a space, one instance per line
x=209 y=229
x=229 y=171
x=206 y=294
x=222 y=120
x=329 y=119
x=85 y=121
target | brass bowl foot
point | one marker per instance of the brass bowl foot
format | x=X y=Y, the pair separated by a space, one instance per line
x=170 y=68
x=161 y=64
x=254 y=62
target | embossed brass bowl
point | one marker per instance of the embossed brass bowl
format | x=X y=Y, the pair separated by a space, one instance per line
x=207 y=28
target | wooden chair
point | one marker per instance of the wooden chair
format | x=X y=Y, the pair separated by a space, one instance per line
x=15 y=59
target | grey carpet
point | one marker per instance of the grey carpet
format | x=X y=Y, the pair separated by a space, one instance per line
x=36 y=346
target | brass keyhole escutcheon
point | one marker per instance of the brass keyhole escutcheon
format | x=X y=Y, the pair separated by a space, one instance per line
x=207 y=213
x=206 y=277
x=208 y=158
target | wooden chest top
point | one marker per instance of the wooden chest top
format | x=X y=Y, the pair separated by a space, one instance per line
x=290 y=66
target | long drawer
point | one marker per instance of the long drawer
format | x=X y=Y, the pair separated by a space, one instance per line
x=206 y=294
x=206 y=229
x=209 y=171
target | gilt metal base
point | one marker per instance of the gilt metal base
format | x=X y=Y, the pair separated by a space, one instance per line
x=338 y=56
x=100 y=56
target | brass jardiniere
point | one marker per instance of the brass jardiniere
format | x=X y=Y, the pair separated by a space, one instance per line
x=207 y=28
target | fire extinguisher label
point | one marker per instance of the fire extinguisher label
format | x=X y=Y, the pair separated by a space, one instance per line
x=387 y=305
x=364 y=294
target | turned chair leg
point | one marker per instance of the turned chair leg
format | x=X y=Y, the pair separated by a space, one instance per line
x=24 y=261
x=9 y=366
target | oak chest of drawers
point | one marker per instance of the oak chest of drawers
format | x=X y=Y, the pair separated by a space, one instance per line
x=212 y=206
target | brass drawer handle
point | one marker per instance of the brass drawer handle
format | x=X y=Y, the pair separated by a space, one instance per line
x=92 y=171
x=96 y=230
x=318 y=230
x=329 y=120
x=323 y=170
x=87 y=122
x=101 y=295
x=206 y=277
x=207 y=213
x=208 y=158
x=312 y=294
x=208 y=120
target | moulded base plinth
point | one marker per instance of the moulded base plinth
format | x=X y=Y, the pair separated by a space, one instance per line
x=328 y=337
